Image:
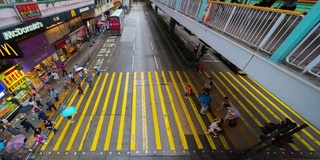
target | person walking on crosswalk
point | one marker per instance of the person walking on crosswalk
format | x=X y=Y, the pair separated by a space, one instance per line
x=80 y=89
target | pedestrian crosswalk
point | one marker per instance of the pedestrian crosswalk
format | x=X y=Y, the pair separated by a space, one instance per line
x=147 y=112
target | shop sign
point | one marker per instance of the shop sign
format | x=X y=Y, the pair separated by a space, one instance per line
x=12 y=78
x=84 y=9
x=82 y=31
x=20 y=31
x=28 y=11
x=10 y=50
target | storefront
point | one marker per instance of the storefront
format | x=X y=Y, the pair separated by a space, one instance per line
x=38 y=69
x=65 y=49
x=78 y=37
x=15 y=92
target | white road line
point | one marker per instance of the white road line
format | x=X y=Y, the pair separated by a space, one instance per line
x=134 y=45
x=155 y=59
x=149 y=34
x=109 y=61
x=213 y=57
x=134 y=35
x=132 y=62
x=111 y=54
x=151 y=45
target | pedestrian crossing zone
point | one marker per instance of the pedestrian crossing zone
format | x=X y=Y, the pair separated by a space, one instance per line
x=147 y=113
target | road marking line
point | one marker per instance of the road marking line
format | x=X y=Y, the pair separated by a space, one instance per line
x=186 y=112
x=270 y=111
x=123 y=113
x=195 y=110
x=165 y=114
x=96 y=105
x=221 y=137
x=154 y=114
x=144 y=114
x=90 y=119
x=175 y=113
x=132 y=66
x=155 y=59
x=133 y=113
x=113 y=112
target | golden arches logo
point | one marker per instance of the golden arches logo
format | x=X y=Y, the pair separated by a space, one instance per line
x=7 y=50
x=73 y=13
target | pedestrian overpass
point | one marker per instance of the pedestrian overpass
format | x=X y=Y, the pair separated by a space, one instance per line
x=278 y=48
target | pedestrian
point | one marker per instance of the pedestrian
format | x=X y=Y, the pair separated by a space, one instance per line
x=54 y=94
x=41 y=139
x=188 y=91
x=38 y=100
x=204 y=108
x=72 y=78
x=50 y=105
x=47 y=87
x=12 y=129
x=42 y=115
x=81 y=75
x=64 y=70
x=215 y=127
x=71 y=119
x=75 y=67
x=32 y=102
x=80 y=89
x=208 y=85
x=200 y=69
x=90 y=84
x=85 y=70
x=49 y=125
x=97 y=68
x=25 y=147
x=225 y=103
x=38 y=132
x=56 y=76
x=230 y=115
x=67 y=83
x=26 y=124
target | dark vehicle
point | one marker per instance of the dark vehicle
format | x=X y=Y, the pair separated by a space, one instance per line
x=233 y=67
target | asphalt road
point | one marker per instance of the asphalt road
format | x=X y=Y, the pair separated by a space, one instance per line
x=137 y=110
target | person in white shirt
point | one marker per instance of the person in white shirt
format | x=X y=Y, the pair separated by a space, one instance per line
x=215 y=127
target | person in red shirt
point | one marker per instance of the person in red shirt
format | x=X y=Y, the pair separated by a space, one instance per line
x=64 y=70
x=200 y=69
x=225 y=103
x=80 y=89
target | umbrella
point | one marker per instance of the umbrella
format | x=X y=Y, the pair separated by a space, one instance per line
x=235 y=111
x=26 y=108
x=79 y=69
x=89 y=78
x=204 y=99
x=69 y=111
x=15 y=143
x=1 y=145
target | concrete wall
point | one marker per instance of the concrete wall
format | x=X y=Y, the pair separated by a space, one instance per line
x=301 y=95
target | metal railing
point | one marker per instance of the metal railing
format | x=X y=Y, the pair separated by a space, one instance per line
x=262 y=28
x=306 y=55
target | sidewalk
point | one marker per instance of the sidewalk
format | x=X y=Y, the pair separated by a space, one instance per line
x=81 y=58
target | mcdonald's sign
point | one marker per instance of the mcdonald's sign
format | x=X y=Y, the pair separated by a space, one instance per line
x=10 y=50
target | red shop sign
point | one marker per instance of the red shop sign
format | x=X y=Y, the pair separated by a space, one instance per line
x=82 y=31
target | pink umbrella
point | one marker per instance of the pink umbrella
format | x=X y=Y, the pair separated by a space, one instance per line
x=15 y=143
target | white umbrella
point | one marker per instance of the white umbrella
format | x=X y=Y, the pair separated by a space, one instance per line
x=79 y=69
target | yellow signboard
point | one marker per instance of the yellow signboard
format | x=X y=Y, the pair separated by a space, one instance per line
x=12 y=78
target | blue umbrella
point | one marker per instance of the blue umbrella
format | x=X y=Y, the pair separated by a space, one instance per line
x=26 y=108
x=1 y=145
x=89 y=78
x=204 y=99
x=69 y=111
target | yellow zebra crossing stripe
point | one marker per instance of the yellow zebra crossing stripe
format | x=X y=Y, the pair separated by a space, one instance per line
x=133 y=113
x=96 y=104
x=123 y=112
